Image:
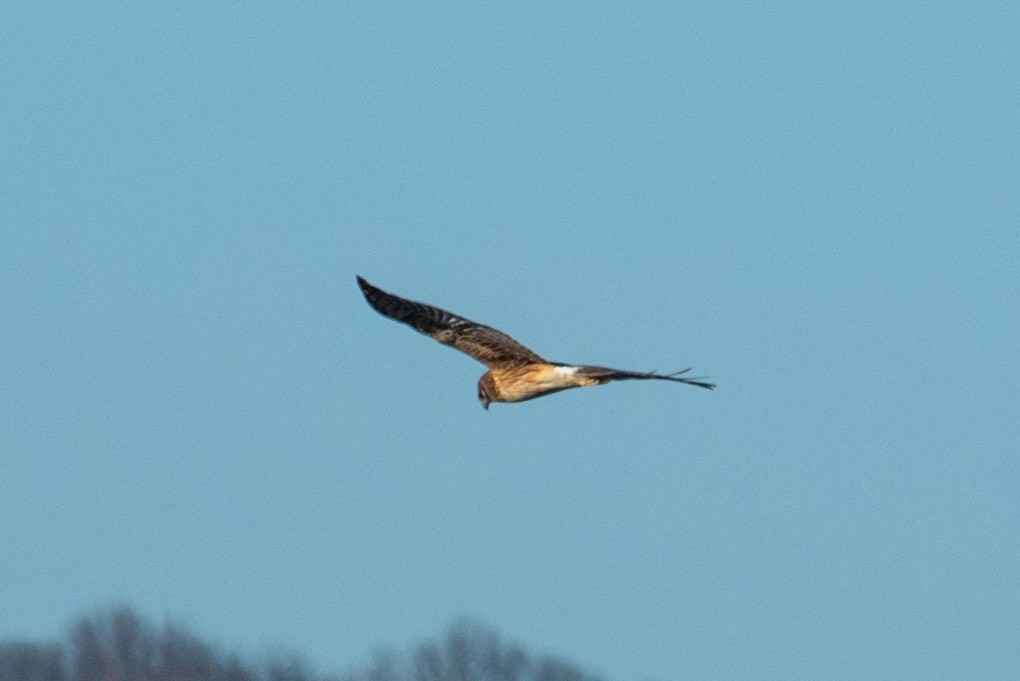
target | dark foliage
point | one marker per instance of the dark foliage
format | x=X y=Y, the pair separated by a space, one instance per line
x=21 y=661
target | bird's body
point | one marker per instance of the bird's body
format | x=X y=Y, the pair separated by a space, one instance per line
x=528 y=381
x=515 y=373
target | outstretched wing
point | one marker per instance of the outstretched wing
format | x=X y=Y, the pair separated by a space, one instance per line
x=487 y=345
x=604 y=375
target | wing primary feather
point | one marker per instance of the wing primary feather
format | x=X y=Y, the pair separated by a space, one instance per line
x=485 y=344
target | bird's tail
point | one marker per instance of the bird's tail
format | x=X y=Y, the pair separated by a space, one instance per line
x=605 y=374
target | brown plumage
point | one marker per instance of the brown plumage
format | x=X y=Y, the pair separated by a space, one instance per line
x=515 y=373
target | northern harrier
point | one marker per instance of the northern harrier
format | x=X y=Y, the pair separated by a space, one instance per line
x=515 y=373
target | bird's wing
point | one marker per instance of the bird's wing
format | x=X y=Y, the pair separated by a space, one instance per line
x=487 y=345
x=604 y=375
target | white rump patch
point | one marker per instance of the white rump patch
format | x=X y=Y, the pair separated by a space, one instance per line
x=565 y=371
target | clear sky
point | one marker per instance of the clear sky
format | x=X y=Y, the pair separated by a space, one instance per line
x=815 y=204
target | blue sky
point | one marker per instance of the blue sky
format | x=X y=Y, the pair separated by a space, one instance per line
x=815 y=205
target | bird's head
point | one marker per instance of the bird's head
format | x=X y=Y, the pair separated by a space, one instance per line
x=486 y=390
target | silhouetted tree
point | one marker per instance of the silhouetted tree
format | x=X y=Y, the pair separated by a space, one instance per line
x=470 y=652
x=287 y=667
x=552 y=669
x=118 y=645
x=90 y=660
x=428 y=663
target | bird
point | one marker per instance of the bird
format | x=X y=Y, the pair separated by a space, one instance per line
x=515 y=374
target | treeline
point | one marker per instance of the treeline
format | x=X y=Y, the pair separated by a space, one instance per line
x=119 y=645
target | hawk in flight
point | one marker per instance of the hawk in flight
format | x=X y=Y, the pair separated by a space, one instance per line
x=515 y=373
